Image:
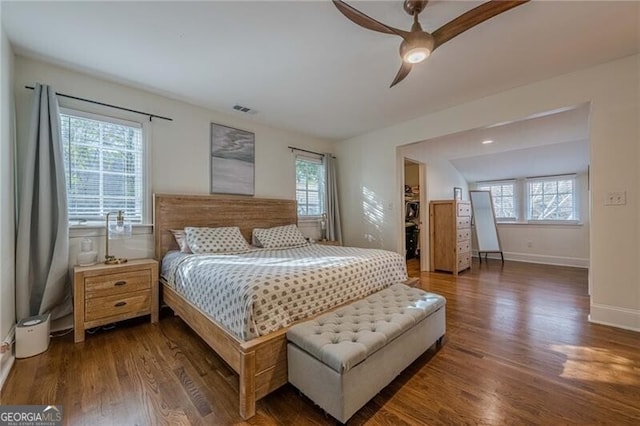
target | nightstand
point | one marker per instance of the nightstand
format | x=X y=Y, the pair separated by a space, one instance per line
x=103 y=294
x=328 y=243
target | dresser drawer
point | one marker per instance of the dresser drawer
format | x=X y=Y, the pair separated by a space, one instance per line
x=464 y=247
x=463 y=222
x=117 y=305
x=464 y=234
x=464 y=209
x=119 y=283
x=464 y=261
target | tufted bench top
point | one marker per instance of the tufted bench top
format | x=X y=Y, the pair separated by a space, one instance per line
x=345 y=337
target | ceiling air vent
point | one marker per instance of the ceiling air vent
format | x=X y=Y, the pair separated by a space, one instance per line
x=244 y=109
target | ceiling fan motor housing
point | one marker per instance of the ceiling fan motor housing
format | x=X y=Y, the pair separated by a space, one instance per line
x=416 y=42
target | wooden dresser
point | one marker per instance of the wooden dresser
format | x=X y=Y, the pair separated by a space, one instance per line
x=103 y=294
x=450 y=235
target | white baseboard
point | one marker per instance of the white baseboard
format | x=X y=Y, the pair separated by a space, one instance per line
x=615 y=316
x=540 y=258
x=6 y=362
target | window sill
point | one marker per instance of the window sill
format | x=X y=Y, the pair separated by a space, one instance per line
x=569 y=224
x=98 y=230
x=309 y=219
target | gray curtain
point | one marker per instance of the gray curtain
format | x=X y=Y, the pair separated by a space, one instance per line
x=334 y=229
x=42 y=238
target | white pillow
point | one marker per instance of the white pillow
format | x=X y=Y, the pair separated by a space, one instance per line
x=216 y=240
x=279 y=237
x=181 y=239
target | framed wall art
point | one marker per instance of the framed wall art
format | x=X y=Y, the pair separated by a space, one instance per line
x=457 y=193
x=232 y=161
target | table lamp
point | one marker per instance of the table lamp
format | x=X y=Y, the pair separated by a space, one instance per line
x=118 y=230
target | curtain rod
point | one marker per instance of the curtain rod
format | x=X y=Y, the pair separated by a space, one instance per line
x=109 y=105
x=293 y=148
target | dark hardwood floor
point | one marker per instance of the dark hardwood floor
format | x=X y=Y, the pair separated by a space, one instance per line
x=518 y=350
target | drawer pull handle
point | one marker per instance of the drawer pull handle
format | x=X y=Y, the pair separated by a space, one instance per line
x=120 y=304
x=119 y=283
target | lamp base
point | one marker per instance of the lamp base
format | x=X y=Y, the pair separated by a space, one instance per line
x=112 y=260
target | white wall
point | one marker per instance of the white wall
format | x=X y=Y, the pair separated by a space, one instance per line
x=367 y=162
x=7 y=220
x=552 y=244
x=179 y=149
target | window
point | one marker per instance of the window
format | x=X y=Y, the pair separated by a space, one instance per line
x=309 y=185
x=104 y=166
x=504 y=199
x=552 y=198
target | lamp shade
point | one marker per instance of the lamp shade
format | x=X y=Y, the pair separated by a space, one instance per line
x=119 y=230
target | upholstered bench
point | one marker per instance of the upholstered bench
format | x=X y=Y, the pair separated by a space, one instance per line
x=343 y=358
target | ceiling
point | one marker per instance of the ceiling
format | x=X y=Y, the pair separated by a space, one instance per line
x=552 y=144
x=304 y=67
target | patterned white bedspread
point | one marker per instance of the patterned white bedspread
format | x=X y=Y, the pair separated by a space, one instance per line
x=252 y=294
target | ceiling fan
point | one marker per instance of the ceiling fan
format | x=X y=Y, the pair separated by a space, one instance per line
x=417 y=44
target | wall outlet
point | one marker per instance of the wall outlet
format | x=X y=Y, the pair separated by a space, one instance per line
x=618 y=198
x=529 y=244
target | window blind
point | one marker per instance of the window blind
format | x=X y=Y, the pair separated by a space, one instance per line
x=309 y=185
x=104 y=165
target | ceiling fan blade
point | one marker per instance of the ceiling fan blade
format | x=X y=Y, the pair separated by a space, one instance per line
x=472 y=18
x=366 y=21
x=404 y=70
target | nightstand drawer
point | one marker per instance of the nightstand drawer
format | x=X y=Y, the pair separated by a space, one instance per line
x=328 y=243
x=117 y=305
x=112 y=284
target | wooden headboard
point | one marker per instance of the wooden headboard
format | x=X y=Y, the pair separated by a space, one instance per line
x=175 y=211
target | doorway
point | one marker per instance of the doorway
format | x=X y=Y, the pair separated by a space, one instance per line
x=412 y=213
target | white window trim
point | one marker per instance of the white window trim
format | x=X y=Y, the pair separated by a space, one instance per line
x=146 y=169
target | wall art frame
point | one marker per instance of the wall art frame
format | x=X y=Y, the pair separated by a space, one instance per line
x=232 y=161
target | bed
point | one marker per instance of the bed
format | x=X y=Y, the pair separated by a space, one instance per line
x=255 y=349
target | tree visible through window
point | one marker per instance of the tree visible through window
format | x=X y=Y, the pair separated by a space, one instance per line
x=104 y=165
x=552 y=199
x=309 y=186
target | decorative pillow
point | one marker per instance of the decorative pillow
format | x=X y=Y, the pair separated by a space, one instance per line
x=216 y=240
x=278 y=237
x=181 y=239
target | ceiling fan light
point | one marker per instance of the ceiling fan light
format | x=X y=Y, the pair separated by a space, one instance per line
x=416 y=55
